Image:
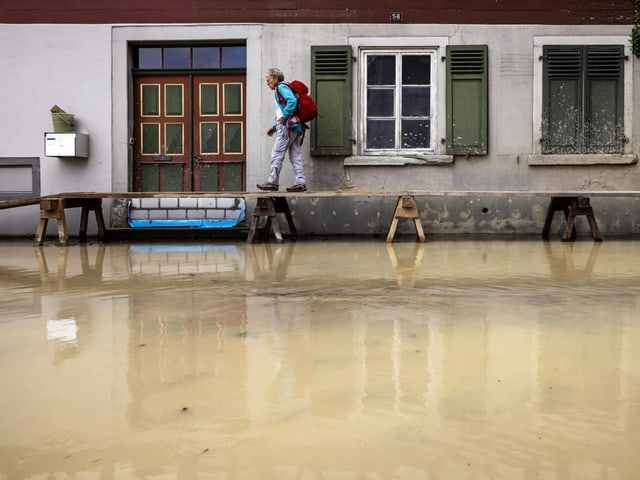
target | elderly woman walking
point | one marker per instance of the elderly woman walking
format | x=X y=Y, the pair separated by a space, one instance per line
x=288 y=130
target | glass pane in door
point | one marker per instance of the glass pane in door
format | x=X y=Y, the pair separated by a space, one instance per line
x=175 y=144
x=209 y=99
x=150 y=100
x=209 y=177
x=209 y=137
x=173 y=100
x=233 y=99
x=233 y=137
x=233 y=177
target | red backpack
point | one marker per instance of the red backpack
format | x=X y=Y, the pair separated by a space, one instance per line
x=307 y=109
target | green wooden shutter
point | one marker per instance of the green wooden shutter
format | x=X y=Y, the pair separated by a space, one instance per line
x=604 y=126
x=467 y=100
x=562 y=111
x=331 y=89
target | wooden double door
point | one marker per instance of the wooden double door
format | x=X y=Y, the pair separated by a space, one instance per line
x=189 y=133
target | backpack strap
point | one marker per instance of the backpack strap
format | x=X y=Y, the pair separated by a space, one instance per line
x=281 y=99
x=305 y=127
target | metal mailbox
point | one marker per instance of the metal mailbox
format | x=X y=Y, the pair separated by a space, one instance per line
x=66 y=144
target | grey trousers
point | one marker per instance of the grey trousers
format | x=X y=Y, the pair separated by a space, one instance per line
x=286 y=141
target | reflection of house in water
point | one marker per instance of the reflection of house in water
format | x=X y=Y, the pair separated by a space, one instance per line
x=179 y=327
x=69 y=326
x=177 y=259
x=232 y=341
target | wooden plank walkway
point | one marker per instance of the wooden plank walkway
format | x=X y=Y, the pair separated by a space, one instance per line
x=359 y=193
x=270 y=204
x=19 y=202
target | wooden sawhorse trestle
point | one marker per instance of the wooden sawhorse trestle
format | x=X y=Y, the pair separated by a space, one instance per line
x=571 y=207
x=54 y=208
x=406 y=208
x=268 y=208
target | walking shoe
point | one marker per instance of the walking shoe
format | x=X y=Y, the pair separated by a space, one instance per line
x=268 y=186
x=300 y=187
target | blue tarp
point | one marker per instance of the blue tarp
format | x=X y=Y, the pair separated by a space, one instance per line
x=190 y=223
x=184 y=223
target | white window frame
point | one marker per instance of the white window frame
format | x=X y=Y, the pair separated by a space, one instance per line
x=398 y=87
x=435 y=46
x=538 y=44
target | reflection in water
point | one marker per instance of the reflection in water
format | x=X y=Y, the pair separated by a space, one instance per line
x=321 y=360
x=407 y=270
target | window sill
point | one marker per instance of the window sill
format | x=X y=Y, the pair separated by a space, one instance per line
x=370 y=161
x=605 y=159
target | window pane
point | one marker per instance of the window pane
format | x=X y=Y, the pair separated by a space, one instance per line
x=173 y=132
x=173 y=174
x=380 y=103
x=150 y=100
x=206 y=57
x=150 y=138
x=233 y=99
x=416 y=70
x=381 y=70
x=234 y=57
x=173 y=99
x=177 y=57
x=415 y=102
x=232 y=177
x=209 y=177
x=380 y=134
x=150 y=57
x=150 y=177
x=232 y=137
x=209 y=137
x=416 y=134
x=209 y=99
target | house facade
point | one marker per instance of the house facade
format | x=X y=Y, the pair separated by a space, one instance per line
x=483 y=95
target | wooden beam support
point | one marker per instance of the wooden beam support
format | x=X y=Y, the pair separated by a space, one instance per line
x=406 y=208
x=268 y=208
x=571 y=208
x=53 y=208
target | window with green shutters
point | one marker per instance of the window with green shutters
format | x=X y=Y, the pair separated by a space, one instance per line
x=467 y=100
x=402 y=95
x=583 y=99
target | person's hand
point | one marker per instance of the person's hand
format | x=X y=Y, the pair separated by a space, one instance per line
x=282 y=121
x=271 y=131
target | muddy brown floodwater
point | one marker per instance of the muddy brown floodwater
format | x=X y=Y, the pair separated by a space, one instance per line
x=466 y=359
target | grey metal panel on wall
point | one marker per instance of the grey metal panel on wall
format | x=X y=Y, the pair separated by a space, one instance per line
x=19 y=177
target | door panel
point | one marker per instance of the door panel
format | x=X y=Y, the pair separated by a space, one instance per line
x=190 y=133
x=162 y=134
x=219 y=133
